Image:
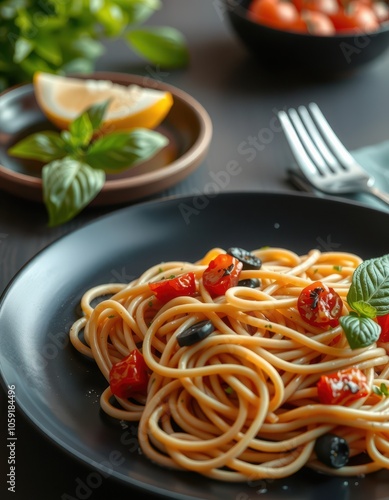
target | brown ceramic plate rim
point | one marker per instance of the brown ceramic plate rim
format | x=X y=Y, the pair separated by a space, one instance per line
x=129 y=188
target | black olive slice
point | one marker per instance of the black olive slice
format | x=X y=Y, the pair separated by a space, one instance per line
x=250 y=283
x=248 y=259
x=332 y=450
x=195 y=333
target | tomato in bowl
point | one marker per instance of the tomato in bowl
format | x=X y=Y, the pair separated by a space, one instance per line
x=328 y=36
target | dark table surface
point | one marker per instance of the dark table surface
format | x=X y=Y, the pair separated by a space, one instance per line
x=242 y=99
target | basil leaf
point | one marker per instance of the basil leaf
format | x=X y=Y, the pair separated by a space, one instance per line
x=69 y=186
x=97 y=112
x=87 y=47
x=42 y=146
x=120 y=150
x=162 y=45
x=47 y=47
x=81 y=130
x=360 y=332
x=370 y=285
x=365 y=309
x=23 y=48
x=139 y=11
x=79 y=65
x=111 y=17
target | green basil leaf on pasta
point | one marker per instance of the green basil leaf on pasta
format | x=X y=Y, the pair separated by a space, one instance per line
x=121 y=150
x=69 y=186
x=42 y=146
x=370 y=285
x=360 y=331
x=364 y=309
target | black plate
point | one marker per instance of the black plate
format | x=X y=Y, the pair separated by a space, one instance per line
x=58 y=389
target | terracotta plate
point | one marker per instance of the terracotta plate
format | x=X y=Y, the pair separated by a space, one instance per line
x=188 y=127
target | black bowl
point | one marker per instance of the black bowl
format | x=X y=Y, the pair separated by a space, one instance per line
x=285 y=49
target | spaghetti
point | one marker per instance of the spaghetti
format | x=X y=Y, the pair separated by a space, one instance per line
x=241 y=403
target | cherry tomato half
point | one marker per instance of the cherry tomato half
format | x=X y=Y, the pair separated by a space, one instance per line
x=383 y=321
x=342 y=387
x=221 y=274
x=319 y=305
x=179 y=286
x=129 y=376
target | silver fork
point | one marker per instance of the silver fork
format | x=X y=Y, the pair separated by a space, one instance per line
x=321 y=157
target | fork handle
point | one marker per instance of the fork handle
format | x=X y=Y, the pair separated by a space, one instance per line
x=379 y=194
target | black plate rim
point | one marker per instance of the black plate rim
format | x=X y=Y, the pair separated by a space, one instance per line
x=55 y=440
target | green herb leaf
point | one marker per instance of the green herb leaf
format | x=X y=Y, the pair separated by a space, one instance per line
x=81 y=130
x=42 y=146
x=370 y=285
x=139 y=11
x=111 y=17
x=97 y=112
x=120 y=150
x=162 y=45
x=23 y=48
x=382 y=390
x=360 y=331
x=88 y=48
x=68 y=186
x=47 y=47
x=365 y=309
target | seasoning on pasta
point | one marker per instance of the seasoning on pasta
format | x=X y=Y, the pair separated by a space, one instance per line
x=244 y=372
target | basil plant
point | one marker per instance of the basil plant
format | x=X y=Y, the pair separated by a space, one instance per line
x=66 y=36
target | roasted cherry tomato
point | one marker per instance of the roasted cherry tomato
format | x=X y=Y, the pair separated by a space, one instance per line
x=322 y=6
x=275 y=13
x=183 y=285
x=383 y=321
x=129 y=376
x=319 y=305
x=221 y=274
x=381 y=10
x=342 y=387
x=317 y=23
x=355 y=17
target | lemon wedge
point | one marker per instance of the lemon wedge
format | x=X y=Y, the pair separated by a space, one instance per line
x=62 y=99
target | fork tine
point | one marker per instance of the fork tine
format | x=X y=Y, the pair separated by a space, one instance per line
x=317 y=138
x=307 y=141
x=302 y=158
x=338 y=148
